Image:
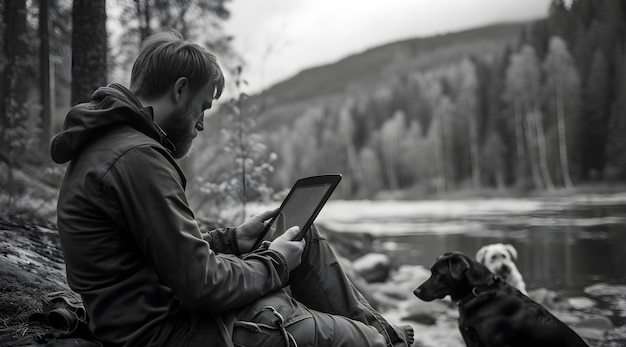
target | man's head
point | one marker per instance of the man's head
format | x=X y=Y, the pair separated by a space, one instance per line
x=180 y=80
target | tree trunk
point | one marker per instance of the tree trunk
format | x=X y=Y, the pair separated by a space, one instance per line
x=145 y=17
x=44 y=75
x=541 y=149
x=474 y=152
x=444 y=170
x=89 y=48
x=532 y=152
x=520 y=149
x=560 y=117
x=14 y=90
x=353 y=163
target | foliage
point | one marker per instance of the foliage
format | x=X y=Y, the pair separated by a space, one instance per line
x=197 y=20
x=545 y=112
x=241 y=174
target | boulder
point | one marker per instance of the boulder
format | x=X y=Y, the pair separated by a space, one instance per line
x=594 y=327
x=426 y=313
x=373 y=267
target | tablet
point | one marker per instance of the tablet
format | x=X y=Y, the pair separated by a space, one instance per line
x=303 y=203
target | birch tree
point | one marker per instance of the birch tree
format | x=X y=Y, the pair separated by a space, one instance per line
x=562 y=92
x=390 y=135
x=345 y=133
x=468 y=107
x=523 y=86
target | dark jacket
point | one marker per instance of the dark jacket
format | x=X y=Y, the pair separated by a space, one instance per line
x=131 y=244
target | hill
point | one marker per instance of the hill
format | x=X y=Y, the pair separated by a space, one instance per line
x=378 y=64
x=316 y=96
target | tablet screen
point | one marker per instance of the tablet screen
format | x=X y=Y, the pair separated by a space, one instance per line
x=297 y=209
x=304 y=201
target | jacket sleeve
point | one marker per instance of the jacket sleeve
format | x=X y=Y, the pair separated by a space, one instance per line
x=222 y=240
x=150 y=194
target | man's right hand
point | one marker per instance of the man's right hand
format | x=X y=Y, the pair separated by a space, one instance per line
x=291 y=250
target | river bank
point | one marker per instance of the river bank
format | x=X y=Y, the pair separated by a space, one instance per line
x=435 y=323
x=31 y=265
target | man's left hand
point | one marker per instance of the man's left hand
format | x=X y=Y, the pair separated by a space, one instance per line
x=248 y=232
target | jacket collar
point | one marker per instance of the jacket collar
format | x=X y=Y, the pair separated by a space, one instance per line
x=147 y=112
x=476 y=291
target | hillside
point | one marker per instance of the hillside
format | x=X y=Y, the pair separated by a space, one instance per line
x=303 y=113
x=362 y=70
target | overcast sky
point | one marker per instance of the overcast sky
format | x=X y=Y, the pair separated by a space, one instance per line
x=279 y=38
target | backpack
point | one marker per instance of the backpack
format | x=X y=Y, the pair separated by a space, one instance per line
x=65 y=315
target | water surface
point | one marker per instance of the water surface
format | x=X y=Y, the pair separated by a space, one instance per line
x=564 y=244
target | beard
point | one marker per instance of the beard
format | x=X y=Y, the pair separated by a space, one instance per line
x=180 y=131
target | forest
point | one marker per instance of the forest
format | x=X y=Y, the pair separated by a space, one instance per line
x=542 y=112
x=545 y=112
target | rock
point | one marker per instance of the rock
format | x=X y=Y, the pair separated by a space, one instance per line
x=373 y=267
x=348 y=245
x=603 y=289
x=548 y=299
x=422 y=318
x=595 y=327
x=402 y=282
x=581 y=303
x=595 y=322
x=426 y=312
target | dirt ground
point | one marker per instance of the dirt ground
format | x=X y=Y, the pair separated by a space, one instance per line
x=31 y=265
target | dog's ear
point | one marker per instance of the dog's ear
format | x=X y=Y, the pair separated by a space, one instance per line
x=512 y=251
x=478 y=274
x=458 y=266
x=480 y=255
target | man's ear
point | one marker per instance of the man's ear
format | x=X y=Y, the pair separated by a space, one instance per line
x=181 y=88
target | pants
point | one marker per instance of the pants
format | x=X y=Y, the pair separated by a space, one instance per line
x=320 y=307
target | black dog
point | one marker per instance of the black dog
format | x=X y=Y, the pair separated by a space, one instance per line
x=491 y=312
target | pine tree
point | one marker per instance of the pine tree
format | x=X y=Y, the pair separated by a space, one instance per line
x=522 y=90
x=596 y=111
x=89 y=48
x=616 y=137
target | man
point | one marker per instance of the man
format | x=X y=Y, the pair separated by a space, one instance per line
x=133 y=249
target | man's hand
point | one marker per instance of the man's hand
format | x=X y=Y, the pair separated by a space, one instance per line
x=250 y=230
x=291 y=250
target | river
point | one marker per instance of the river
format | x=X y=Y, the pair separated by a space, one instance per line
x=565 y=244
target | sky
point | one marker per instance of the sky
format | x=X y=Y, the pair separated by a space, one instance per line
x=279 y=38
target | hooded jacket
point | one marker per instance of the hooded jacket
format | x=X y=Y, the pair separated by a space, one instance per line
x=132 y=247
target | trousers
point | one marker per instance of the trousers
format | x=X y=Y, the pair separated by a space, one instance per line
x=319 y=307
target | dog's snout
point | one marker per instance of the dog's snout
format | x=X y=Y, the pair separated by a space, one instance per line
x=417 y=291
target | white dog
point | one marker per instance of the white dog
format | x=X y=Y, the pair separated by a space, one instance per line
x=500 y=259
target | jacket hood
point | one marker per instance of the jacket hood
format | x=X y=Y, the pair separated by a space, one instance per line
x=110 y=107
